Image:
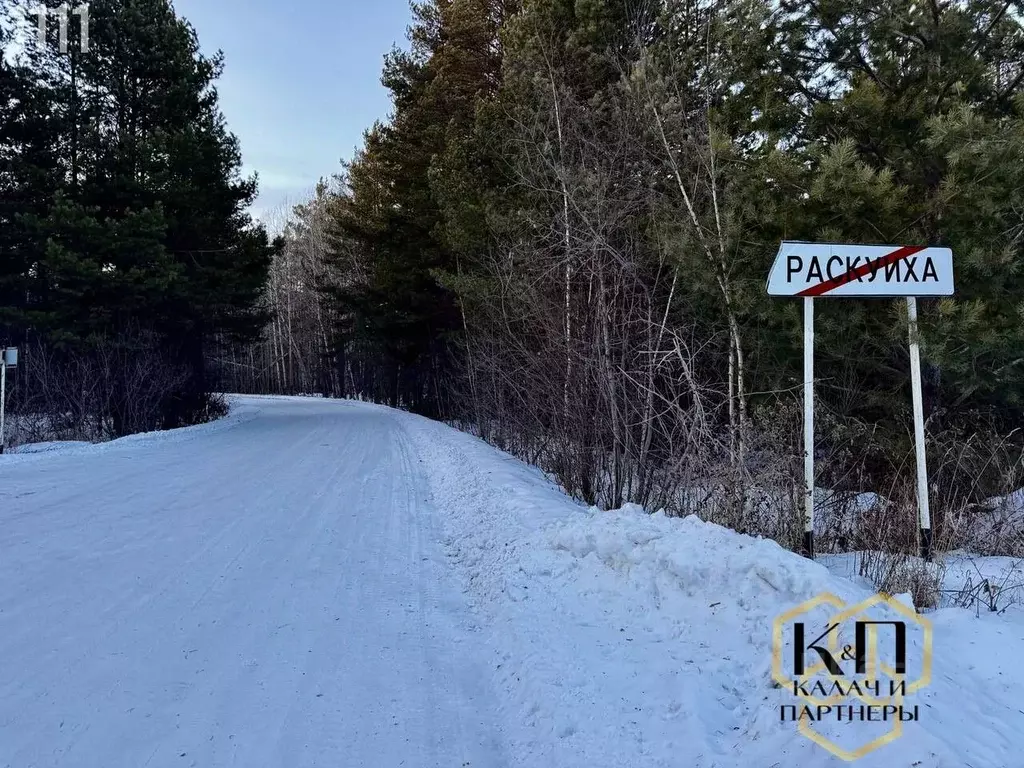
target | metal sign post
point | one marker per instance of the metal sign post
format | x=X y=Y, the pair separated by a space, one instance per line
x=922 y=467
x=3 y=400
x=8 y=357
x=808 y=544
x=880 y=271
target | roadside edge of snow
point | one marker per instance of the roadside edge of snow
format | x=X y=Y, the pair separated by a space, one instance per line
x=595 y=624
x=241 y=408
x=622 y=638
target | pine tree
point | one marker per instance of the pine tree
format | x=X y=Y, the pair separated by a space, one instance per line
x=912 y=135
x=400 y=319
x=130 y=211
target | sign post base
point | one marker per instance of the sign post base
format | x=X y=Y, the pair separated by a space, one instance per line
x=926 y=544
x=807 y=548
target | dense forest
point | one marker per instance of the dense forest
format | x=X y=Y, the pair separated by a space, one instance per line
x=560 y=236
x=126 y=249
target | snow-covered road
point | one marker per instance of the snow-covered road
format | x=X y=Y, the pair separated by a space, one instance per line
x=329 y=583
x=270 y=594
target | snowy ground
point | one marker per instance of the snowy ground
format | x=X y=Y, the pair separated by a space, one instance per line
x=321 y=583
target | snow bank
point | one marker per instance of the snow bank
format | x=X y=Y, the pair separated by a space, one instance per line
x=50 y=446
x=626 y=639
x=241 y=409
x=689 y=556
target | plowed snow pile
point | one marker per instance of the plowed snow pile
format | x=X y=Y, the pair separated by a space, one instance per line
x=626 y=639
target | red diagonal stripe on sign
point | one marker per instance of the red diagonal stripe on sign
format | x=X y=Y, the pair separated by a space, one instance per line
x=848 y=277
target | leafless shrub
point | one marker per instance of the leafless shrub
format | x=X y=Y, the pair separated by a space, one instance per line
x=110 y=388
x=215 y=407
x=896 y=573
x=993 y=593
x=975 y=486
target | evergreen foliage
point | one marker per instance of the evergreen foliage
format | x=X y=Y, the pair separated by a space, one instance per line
x=123 y=209
x=569 y=194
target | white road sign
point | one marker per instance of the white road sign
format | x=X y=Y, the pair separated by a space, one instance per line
x=832 y=269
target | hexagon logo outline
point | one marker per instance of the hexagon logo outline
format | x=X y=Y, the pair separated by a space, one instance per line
x=899 y=687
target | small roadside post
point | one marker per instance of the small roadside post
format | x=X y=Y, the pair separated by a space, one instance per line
x=811 y=270
x=8 y=357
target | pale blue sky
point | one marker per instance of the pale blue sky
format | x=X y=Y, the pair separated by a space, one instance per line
x=301 y=82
